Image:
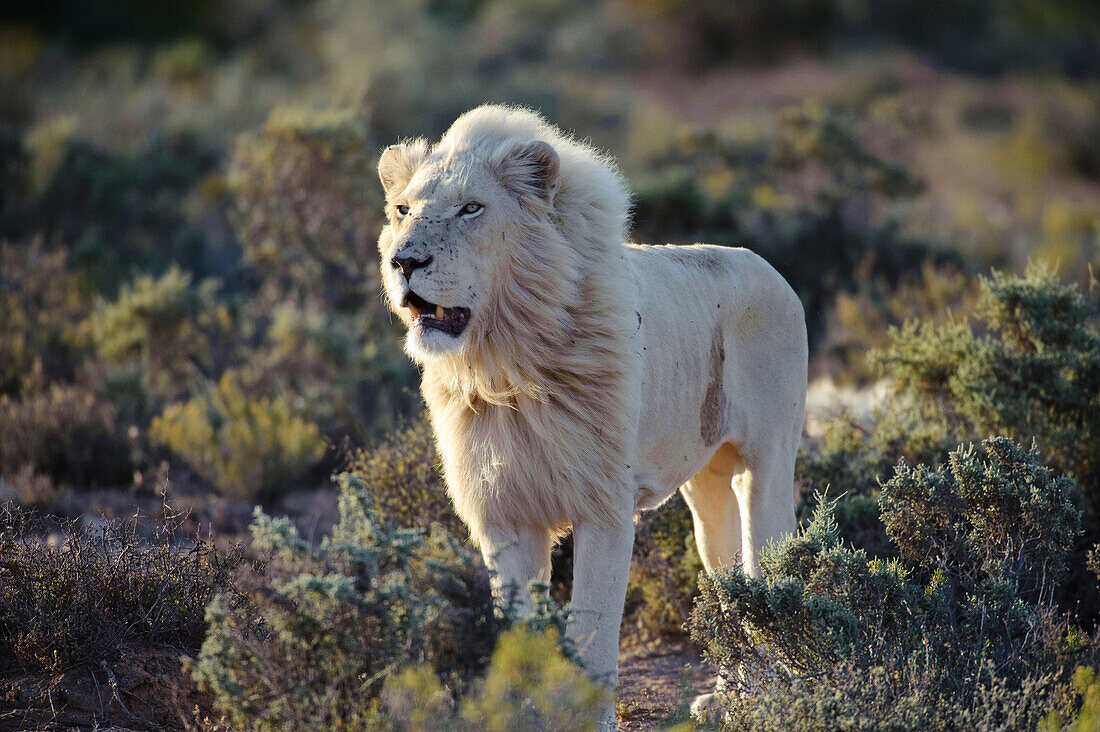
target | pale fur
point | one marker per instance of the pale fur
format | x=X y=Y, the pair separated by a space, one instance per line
x=593 y=378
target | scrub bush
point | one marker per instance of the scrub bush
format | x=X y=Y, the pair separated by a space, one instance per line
x=323 y=338
x=41 y=305
x=162 y=327
x=806 y=194
x=65 y=432
x=102 y=589
x=664 y=571
x=959 y=631
x=243 y=444
x=1034 y=373
x=385 y=628
x=120 y=214
x=403 y=478
x=529 y=685
x=338 y=619
x=862 y=319
x=1025 y=363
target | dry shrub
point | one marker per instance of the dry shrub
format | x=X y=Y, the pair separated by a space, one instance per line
x=66 y=432
x=307 y=210
x=304 y=187
x=530 y=685
x=340 y=618
x=164 y=328
x=1023 y=362
x=663 y=573
x=862 y=319
x=31 y=489
x=99 y=590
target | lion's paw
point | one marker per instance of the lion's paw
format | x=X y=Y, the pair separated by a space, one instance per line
x=706 y=707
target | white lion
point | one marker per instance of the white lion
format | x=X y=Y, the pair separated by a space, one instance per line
x=574 y=380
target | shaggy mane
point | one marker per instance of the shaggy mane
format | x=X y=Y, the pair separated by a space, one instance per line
x=539 y=400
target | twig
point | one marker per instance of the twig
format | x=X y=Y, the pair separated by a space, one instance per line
x=98 y=694
x=118 y=698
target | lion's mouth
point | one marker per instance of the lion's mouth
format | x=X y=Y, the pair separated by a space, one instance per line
x=429 y=315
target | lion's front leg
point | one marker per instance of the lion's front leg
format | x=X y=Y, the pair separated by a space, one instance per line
x=516 y=557
x=601 y=565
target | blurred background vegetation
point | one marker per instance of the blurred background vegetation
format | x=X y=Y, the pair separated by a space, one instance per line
x=189 y=205
x=190 y=314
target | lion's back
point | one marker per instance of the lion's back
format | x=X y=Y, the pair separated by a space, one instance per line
x=705 y=308
x=702 y=277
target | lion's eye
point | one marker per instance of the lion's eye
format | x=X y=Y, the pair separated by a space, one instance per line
x=402 y=210
x=471 y=208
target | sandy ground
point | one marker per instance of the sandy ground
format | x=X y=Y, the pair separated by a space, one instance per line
x=657 y=681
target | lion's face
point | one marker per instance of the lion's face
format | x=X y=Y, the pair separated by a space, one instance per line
x=439 y=252
x=451 y=223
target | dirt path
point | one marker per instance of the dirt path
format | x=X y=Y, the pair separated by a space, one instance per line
x=652 y=683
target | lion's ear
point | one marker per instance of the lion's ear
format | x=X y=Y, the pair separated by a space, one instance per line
x=531 y=170
x=399 y=162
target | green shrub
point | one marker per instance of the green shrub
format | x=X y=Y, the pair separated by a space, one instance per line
x=974 y=520
x=1027 y=366
x=344 y=371
x=957 y=632
x=796 y=193
x=293 y=237
x=329 y=343
x=341 y=618
x=1087 y=684
x=529 y=685
x=118 y=215
x=403 y=478
x=897 y=696
x=185 y=60
x=243 y=445
x=1033 y=374
x=862 y=319
x=162 y=327
x=385 y=628
x=664 y=571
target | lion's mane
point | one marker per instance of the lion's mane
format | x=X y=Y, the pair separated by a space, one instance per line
x=530 y=414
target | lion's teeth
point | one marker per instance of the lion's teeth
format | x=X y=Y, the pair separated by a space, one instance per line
x=439 y=312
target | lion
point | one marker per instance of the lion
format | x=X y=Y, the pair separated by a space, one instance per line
x=574 y=379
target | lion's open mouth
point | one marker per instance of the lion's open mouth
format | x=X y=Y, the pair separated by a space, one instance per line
x=429 y=315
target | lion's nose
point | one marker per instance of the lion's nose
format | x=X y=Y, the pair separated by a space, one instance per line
x=408 y=264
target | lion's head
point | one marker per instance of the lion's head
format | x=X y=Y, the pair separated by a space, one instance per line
x=490 y=235
x=450 y=217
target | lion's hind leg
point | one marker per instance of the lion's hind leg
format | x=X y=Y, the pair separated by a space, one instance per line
x=714 y=509
x=716 y=516
x=765 y=491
